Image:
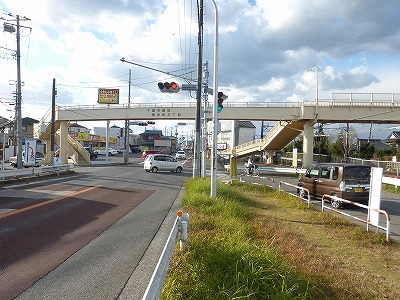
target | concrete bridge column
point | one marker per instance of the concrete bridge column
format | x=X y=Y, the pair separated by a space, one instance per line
x=64 y=141
x=308 y=142
x=270 y=155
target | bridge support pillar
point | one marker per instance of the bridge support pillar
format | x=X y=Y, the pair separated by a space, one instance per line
x=308 y=142
x=270 y=156
x=64 y=141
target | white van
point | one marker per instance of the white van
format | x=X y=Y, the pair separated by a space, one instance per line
x=162 y=162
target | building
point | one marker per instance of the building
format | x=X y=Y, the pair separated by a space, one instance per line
x=147 y=138
x=393 y=137
x=76 y=128
x=26 y=130
x=232 y=133
x=378 y=144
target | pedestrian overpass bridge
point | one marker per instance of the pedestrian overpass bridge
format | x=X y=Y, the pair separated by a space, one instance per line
x=292 y=118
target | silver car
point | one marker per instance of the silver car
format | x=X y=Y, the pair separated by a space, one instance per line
x=162 y=162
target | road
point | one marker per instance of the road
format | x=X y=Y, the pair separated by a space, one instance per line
x=84 y=236
x=389 y=202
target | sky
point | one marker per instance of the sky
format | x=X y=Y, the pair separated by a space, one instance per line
x=266 y=50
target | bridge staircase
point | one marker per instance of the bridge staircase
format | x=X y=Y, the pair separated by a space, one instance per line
x=75 y=150
x=276 y=139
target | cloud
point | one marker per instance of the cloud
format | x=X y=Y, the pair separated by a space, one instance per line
x=265 y=48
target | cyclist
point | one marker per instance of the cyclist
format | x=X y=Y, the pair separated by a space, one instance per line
x=249 y=166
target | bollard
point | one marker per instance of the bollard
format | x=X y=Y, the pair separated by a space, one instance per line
x=183 y=226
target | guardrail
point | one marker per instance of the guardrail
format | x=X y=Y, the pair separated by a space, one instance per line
x=17 y=174
x=387 y=228
x=156 y=283
x=301 y=195
x=271 y=169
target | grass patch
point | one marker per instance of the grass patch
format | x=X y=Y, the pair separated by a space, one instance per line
x=390 y=188
x=257 y=243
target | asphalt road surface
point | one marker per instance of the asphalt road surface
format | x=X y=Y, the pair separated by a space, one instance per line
x=85 y=236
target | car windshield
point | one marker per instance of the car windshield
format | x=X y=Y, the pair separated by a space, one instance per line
x=357 y=172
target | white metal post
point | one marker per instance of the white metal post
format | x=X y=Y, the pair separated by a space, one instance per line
x=215 y=112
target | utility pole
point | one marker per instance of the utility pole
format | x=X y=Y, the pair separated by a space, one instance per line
x=205 y=119
x=53 y=118
x=197 y=142
x=18 y=104
x=9 y=27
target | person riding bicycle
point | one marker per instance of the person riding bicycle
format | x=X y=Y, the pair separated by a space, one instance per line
x=249 y=166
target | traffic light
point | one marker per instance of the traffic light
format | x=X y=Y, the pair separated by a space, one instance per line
x=142 y=124
x=151 y=122
x=221 y=98
x=121 y=132
x=169 y=87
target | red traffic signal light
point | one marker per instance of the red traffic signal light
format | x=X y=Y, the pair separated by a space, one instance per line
x=169 y=87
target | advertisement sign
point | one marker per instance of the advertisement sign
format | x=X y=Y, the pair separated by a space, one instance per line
x=30 y=152
x=108 y=96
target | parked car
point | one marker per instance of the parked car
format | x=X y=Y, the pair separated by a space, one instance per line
x=121 y=150
x=162 y=162
x=346 y=181
x=93 y=155
x=180 y=154
x=39 y=160
x=147 y=152
x=135 y=150
x=111 y=151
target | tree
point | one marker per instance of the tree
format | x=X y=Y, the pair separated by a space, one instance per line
x=297 y=144
x=367 y=150
x=321 y=141
x=345 y=145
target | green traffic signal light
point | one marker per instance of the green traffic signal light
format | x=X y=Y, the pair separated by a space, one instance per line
x=221 y=98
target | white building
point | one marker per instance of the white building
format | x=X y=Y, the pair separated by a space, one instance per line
x=232 y=133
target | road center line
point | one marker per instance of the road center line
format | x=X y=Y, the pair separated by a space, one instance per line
x=47 y=202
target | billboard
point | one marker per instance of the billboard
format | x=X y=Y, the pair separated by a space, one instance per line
x=30 y=152
x=108 y=96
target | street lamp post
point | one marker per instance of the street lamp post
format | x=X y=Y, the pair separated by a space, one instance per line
x=316 y=88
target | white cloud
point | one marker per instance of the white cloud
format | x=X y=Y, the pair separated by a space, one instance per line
x=265 y=48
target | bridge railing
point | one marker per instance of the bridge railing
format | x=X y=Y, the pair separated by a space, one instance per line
x=337 y=99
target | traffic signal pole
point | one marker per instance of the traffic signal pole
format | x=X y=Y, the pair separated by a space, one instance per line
x=126 y=145
x=213 y=192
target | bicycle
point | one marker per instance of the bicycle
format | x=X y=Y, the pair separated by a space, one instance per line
x=252 y=171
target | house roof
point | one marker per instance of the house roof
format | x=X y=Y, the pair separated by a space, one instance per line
x=378 y=144
x=152 y=132
x=3 y=120
x=29 y=121
x=246 y=124
x=76 y=125
x=394 y=135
